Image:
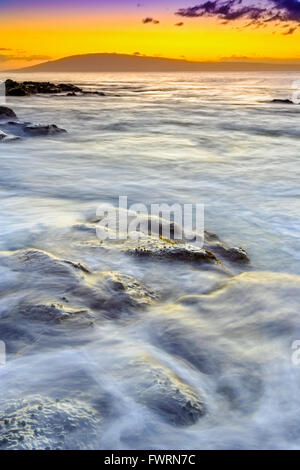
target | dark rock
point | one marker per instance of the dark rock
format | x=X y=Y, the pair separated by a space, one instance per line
x=235 y=254
x=12 y=129
x=51 y=279
x=28 y=88
x=174 y=252
x=282 y=101
x=121 y=291
x=7 y=113
x=158 y=388
x=19 y=129
x=98 y=93
x=40 y=130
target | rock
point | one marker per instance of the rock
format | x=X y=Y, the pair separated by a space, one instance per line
x=7 y=114
x=40 y=130
x=39 y=423
x=12 y=129
x=123 y=291
x=149 y=241
x=98 y=93
x=38 y=261
x=7 y=138
x=156 y=248
x=234 y=254
x=52 y=279
x=282 y=101
x=31 y=130
x=28 y=88
x=158 y=388
x=51 y=313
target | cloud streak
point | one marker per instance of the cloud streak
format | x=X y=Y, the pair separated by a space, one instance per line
x=150 y=20
x=25 y=58
x=257 y=14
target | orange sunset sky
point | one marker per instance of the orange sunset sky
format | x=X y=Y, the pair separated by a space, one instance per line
x=33 y=31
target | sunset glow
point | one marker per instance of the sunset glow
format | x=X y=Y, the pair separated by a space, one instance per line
x=32 y=31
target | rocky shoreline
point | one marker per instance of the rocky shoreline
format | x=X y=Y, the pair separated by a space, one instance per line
x=29 y=88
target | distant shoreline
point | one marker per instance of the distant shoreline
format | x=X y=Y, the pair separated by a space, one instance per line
x=122 y=63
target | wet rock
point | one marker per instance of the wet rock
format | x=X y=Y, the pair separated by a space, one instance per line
x=38 y=261
x=282 y=101
x=28 y=88
x=158 y=238
x=7 y=114
x=43 y=423
x=157 y=387
x=20 y=129
x=6 y=137
x=12 y=129
x=156 y=248
x=123 y=291
x=234 y=254
x=98 y=93
x=52 y=279
x=52 y=313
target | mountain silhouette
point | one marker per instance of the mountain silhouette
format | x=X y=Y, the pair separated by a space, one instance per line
x=137 y=63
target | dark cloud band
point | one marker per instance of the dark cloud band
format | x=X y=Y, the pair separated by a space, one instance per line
x=257 y=14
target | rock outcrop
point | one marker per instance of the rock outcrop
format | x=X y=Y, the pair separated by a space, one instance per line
x=7 y=114
x=40 y=423
x=60 y=295
x=12 y=128
x=210 y=250
x=158 y=388
x=29 y=88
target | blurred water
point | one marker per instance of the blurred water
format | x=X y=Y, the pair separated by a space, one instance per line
x=188 y=138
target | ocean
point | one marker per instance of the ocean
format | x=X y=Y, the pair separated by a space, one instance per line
x=223 y=338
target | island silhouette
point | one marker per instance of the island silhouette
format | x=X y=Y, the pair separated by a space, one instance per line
x=104 y=62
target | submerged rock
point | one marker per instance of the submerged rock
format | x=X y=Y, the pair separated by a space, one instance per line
x=6 y=137
x=146 y=243
x=157 y=387
x=20 y=129
x=33 y=260
x=123 y=291
x=56 y=295
x=12 y=129
x=42 y=423
x=234 y=334
x=234 y=254
x=51 y=313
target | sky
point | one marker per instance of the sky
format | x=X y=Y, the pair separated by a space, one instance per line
x=33 y=31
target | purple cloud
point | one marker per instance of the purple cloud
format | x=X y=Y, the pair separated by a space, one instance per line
x=256 y=15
